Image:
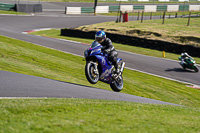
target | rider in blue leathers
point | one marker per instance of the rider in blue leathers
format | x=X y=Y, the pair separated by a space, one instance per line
x=107 y=48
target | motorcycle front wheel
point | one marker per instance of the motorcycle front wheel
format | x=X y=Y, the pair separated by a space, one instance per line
x=117 y=85
x=90 y=74
x=196 y=69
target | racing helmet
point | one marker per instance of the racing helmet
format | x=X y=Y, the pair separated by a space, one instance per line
x=184 y=54
x=100 y=36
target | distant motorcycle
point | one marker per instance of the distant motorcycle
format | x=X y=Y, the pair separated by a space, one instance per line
x=99 y=68
x=189 y=63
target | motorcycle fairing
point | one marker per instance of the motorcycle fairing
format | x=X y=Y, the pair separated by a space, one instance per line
x=188 y=63
x=118 y=60
x=95 y=51
x=106 y=74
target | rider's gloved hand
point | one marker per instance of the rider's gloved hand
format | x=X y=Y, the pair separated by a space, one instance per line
x=105 y=51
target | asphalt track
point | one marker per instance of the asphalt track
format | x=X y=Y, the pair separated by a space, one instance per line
x=18 y=85
x=36 y=87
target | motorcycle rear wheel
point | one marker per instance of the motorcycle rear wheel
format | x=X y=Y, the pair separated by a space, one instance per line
x=116 y=86
x=90 y=74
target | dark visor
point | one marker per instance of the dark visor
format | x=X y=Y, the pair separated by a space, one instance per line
x=99 y=38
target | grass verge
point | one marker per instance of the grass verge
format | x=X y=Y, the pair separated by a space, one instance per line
x=83 y=115
x=12 y=12
x=131 y=14
x=173 y=30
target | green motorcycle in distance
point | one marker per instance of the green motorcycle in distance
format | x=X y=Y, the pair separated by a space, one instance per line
x=189 y=63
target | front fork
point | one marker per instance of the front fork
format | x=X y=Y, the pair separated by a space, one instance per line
x=95 y=67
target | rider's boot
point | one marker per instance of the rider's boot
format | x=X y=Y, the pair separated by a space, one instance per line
x=117 y=71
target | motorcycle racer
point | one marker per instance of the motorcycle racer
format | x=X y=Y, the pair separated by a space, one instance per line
x=188 y=62
x=183 y=57
x=107 y=48
x=98 y=68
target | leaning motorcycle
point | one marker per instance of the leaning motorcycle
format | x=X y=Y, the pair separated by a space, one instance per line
x=189 y=63
x=98 y=68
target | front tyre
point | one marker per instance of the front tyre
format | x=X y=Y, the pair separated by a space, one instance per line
x=117 y=85
x=196 y=69
x=183 y=66
x=90 y=74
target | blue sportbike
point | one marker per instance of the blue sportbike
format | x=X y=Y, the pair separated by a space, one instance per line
x=99 y=68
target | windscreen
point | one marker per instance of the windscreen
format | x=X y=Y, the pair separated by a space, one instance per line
x=94 y=44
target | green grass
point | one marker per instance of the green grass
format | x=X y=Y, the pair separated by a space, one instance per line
x=83 y=115
x=12 y=12
x=173 y=30
x=67 y=0
x=131 y=14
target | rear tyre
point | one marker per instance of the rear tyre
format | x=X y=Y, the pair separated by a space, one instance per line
x=91 y=76
x=117 y=85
